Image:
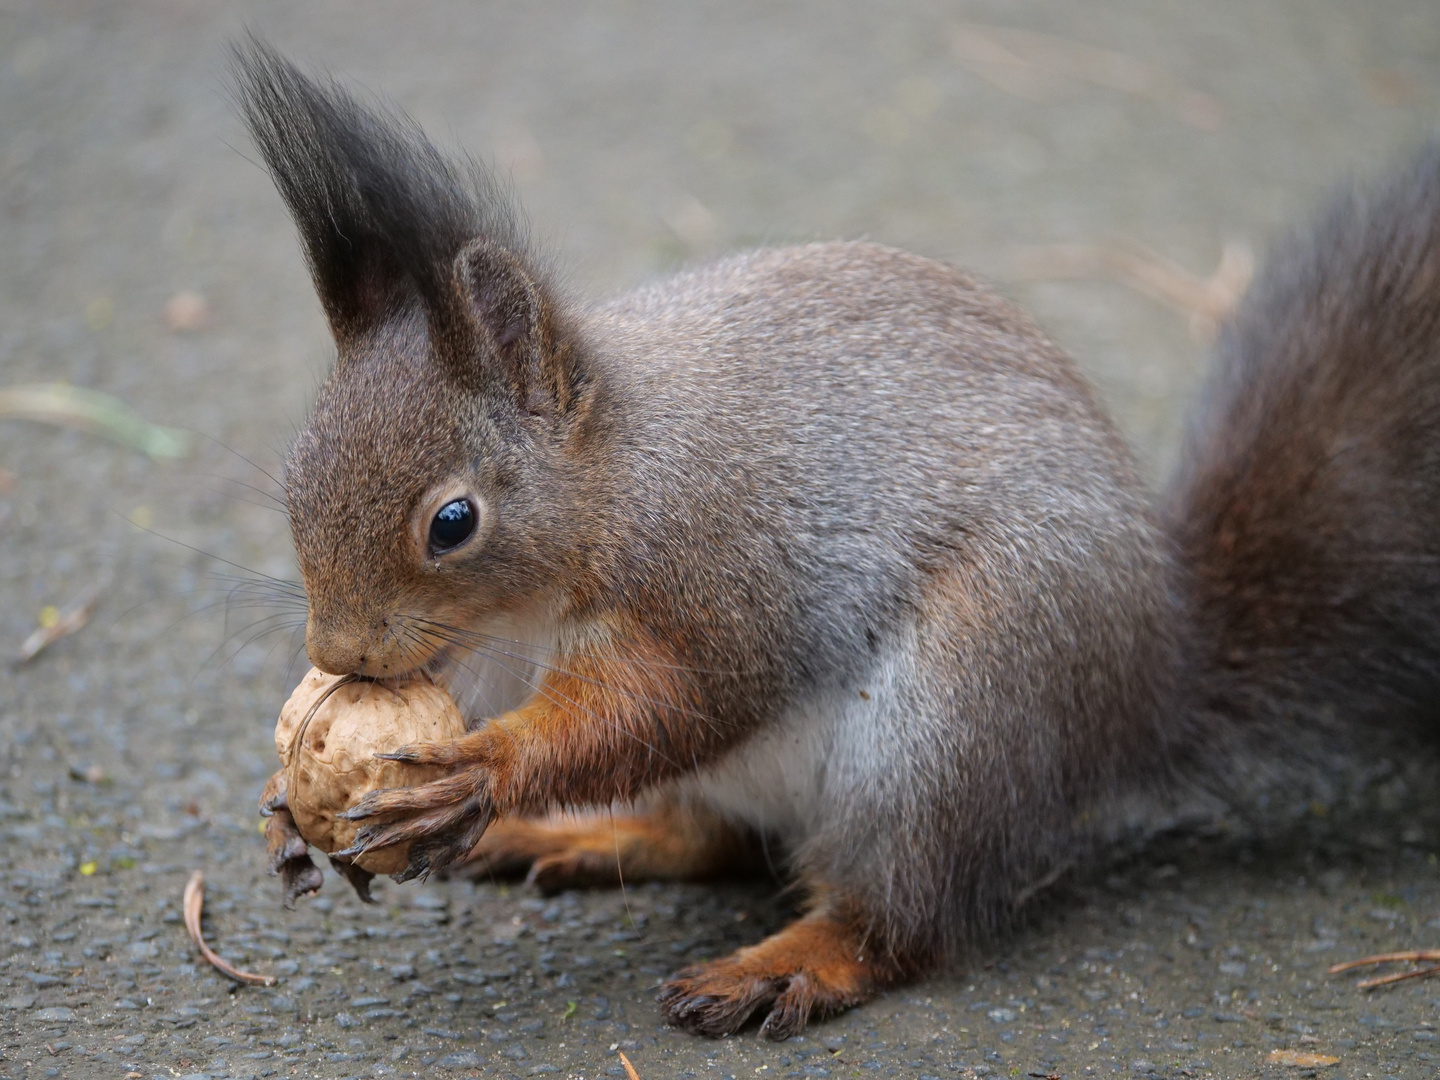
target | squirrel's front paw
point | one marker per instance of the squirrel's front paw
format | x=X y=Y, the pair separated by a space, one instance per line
x=442 y=820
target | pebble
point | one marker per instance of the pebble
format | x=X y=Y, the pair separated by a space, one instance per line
x=464 y=1059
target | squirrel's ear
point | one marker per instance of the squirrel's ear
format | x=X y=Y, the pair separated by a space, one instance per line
x=507 y=310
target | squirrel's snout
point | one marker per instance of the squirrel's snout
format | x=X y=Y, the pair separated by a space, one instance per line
x=336 y=652
x=348 y=644
x=334 y=661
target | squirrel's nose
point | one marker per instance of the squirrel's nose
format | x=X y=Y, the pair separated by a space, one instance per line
x=335 y=653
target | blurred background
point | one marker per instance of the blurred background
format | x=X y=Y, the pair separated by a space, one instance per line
x=1112 y=166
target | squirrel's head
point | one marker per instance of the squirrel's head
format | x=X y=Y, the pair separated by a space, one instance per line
x=426 y=492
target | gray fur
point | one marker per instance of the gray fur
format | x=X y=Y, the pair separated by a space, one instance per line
x=942 y=517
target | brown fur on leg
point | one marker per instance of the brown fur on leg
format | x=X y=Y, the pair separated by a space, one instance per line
x=818 y=965
x=672 y=842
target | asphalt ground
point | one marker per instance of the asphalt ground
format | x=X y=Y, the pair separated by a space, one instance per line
x=640 y=136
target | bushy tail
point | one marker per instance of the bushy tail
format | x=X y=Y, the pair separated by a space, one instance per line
x=1307 y=517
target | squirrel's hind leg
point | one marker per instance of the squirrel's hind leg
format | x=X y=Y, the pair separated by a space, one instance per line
x=671 y=842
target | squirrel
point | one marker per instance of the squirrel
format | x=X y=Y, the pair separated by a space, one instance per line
x=828 y=548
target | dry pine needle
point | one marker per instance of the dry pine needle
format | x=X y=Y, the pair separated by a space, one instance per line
x=194 y=903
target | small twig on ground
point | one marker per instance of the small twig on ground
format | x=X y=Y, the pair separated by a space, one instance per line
x=55 y=625
x=1382 y=980
x=630 y=1072
x=1412 y=956
x=194 y=903
x=1044 y=68
x=1208 y=301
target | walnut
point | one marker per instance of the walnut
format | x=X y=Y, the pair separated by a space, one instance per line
x=328 y=755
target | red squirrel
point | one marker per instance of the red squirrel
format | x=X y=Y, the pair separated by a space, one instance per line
x=828 y=546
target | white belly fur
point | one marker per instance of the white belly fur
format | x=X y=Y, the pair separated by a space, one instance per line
x=780 y=781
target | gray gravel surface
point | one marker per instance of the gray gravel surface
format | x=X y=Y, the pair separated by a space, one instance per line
x=640 y=136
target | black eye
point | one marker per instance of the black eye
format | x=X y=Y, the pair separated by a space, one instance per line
x=452 y=525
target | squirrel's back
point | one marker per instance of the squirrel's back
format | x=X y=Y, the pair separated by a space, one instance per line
x=861 y=407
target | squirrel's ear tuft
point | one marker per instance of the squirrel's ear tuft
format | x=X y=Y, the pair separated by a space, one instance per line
x=509 y=317
x=381 y=212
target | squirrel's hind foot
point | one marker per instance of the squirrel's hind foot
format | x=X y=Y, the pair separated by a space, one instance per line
x=814 y=967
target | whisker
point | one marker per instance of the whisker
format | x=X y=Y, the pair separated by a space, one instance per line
x=230 y=449
x=254 y=574
x=419 y=642
x=479 y=642
x=282 y=618
x=257 y=578
x=271 y=503
x=294 y=655
x=265 y=592
x=269 y=496
x=419 y=647
x=258 y=636
x=249 y=605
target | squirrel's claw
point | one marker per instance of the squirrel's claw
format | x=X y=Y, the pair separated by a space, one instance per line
x=441 y=820
x=404 y=754
x=439 y=794
x=406 y=830
x=289 y=855
x=425 y=754
x=300 y=878
x=273 y=797
x=358 y=877
x=473 y=814
x=435 y=855
x=811 y=968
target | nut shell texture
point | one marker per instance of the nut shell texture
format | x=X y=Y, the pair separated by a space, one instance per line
x=331 y=765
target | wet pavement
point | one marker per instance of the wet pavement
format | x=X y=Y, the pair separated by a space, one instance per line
x=639 y=136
